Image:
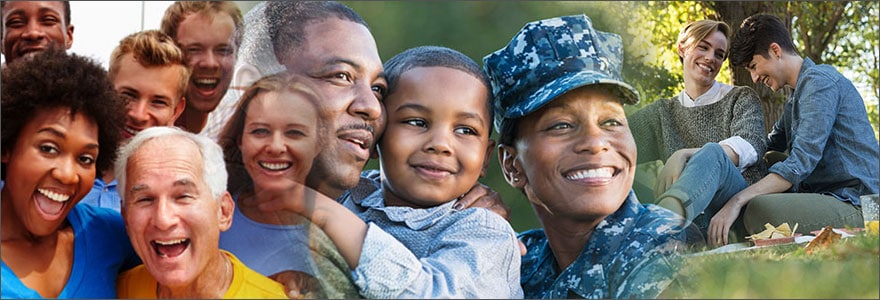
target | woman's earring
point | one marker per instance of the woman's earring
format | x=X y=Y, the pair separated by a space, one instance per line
x=516 y=179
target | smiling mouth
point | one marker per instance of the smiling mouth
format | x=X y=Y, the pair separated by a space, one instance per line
x=171 y=248
x=206 y=83
x=275 y=166
x=591 y=174
x=708 y=69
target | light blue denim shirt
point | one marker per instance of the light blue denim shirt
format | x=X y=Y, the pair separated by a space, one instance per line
x=103 y=195
x=431 y=253
x=633 y=253
x=825 y=129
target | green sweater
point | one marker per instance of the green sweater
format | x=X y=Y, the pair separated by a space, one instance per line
x=665 y=126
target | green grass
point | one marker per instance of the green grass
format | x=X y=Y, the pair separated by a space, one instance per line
x=847 y=269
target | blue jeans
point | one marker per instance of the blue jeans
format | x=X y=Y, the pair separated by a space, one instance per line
x=707 y=182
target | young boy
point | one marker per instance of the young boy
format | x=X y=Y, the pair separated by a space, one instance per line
x=435 y=148
x=149 y=72
x=833 y=158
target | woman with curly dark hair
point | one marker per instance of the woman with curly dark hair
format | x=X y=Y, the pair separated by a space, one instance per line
x=61 y=124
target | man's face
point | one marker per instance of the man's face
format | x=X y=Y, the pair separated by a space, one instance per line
x=172 y=219
x=764 y=70
x=206 y=40
x=30 y=27
x=341 y=59
x=152 y=94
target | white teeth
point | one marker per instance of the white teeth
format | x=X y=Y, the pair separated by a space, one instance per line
x=275 y=166
x=357 y=141
x=53 y=195
x=206 y=81
x=131 y=131
x=171 y=242
x=591 y=173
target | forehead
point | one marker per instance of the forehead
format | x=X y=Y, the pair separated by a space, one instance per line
x=337 y=40
x=432 y=86
x=166 y=158
x=22 y=7
x=290 y=105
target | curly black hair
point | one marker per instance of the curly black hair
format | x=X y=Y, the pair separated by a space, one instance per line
x=53 y=79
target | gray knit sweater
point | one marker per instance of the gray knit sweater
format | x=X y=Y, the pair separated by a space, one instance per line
x=665 y=126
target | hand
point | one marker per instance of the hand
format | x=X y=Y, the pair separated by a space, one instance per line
x=671 y=170
x=297 y=285
x=720 y=224
x=482 y=196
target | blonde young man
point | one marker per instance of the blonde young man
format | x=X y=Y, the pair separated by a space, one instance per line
x=147 y=70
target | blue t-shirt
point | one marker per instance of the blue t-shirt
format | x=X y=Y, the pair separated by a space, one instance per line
x=101 y=250
x=103 y=195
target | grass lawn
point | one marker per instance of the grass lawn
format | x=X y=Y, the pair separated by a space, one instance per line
x=848 y=269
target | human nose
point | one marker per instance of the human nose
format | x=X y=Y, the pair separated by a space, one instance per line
x=438 y=143
x=754 y=76
x=593 y=140
x=276 y=144
x=208 y=60
x=65 y=171
x=137 y=111
x=33 y=31
x=366 y=105
x=164 y=215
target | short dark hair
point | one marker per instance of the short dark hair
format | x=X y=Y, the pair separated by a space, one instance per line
x=52 y=79
x=287 y=21
x=66 y=5
x=436 y=56
x=755 y=35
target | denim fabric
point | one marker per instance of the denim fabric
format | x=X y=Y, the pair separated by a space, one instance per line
x=825 y=129
x=432 y=253
x=103 y=195
x=633 y=253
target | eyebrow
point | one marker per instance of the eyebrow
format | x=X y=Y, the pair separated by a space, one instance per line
x=62 y=135
x=425 y=109
x=185 y=182
x=338 y=60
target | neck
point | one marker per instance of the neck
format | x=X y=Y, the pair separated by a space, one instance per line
x=793 y=65
x=212 y=283
x=192 y=120
x=249 y=205
x=567 y=237
x=694 y=89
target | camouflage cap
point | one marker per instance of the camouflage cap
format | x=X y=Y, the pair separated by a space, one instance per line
x=550 y=57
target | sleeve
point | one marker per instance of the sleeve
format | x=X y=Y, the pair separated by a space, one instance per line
x=747 y=128
x=777 y=138
x=644 y=126
x=816 y=109
x=467 y=263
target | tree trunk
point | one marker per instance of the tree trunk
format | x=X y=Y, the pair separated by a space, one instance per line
x=734 y=12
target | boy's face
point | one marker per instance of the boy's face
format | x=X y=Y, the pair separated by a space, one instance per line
x=206 y=39
x=29 y=27
x=279 y=140
x=437 y=137
x=152 y=94
x=768 y=70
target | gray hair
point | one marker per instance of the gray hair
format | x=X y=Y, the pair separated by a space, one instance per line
x=212 y=157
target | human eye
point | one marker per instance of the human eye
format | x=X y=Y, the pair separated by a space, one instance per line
x=380 y=91
x=259 y=131
x=160 y=103
x=49 y=20
x=224 y=51
x=416 y=122
x=15 y=22
x=295 y=133
x=342 y=76
x=49 y=149
x=612 y=123
x=560 y=126
x=466 y=130
x=87 y=160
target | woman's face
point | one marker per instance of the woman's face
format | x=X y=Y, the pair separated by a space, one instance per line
x=575 y=157
x=50 y=169
x=703 y=60
x=280 y=140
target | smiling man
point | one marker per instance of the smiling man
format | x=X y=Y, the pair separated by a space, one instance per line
x=209 y=33
x=176 y=205
x=30 y=26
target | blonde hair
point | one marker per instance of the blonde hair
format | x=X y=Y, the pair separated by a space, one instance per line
x=694 y=32
x=151 y=48
x=178 y=11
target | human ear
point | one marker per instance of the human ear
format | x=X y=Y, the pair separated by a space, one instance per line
x=178 y=110
x=489 y=147
x=512 y=170
x=225 y=211
x=69 y=37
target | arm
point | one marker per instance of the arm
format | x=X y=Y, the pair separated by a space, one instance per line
x=747 y=138
x=473 y=258
x=721 y=222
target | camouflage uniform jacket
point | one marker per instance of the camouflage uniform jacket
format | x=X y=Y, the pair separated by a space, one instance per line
x=631 y=254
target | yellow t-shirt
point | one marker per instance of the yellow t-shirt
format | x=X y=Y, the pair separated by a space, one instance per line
x=246 y=283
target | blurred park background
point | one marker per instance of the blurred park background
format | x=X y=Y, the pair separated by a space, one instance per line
x=840 y=33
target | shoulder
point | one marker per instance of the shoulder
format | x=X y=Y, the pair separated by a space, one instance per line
x=657 y=226
x=136 y=283
x=95 y=219
x=247 y=283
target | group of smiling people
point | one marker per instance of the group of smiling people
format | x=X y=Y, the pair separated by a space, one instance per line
x=278 y=205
